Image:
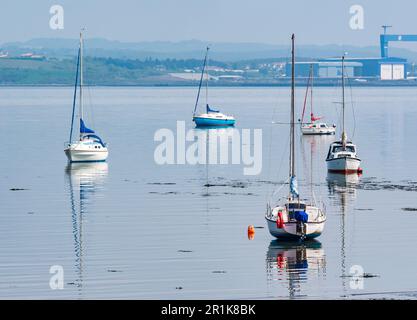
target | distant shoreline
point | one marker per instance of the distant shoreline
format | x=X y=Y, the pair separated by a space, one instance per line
x=375 y=84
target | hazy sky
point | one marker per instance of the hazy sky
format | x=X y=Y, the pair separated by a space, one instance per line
x=269 y=21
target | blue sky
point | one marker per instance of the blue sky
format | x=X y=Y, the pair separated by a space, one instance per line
x=269 y=21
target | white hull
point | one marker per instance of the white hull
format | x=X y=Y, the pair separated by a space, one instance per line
x=290 y=228
x=79 y=152
x=344 y=165
x=314 y=130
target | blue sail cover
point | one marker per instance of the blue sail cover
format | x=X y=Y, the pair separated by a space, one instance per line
x=83 y=128
x=301 y=216
x=210 y=110
x=294 y=187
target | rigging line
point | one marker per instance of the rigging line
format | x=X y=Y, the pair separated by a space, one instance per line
x=201 y=81
x=353 y=108
x=284 y=184
x=269 y=155
x=75 y=97
x=91 y=108
x=283 y=156
x=90 y=101
x=305 y=97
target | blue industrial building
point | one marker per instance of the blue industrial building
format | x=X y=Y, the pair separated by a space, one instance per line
x=383 y=68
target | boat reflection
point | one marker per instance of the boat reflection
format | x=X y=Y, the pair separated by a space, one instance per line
x=342 y=190
x=290 y=264
x=84 y=180
x=214 y=148
x=343 y=186
x=216 y=140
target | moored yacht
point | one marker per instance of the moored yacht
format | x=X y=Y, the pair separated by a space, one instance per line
x=314 y=127
x=295 y=218
x=210 y=118
x=342 y=156
x=89 y=147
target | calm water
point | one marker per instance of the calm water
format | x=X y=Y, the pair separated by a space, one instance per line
x=134 y=229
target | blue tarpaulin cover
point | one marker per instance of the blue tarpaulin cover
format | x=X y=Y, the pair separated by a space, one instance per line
x=83 y=128
x=301 y=216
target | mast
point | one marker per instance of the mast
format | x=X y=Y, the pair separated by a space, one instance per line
x=201 y=81
x=81 y=77
x=74 y=98
x=292 y=118
x=343 y=103
x=207 y=79
x=292 y=133
x=311 y=93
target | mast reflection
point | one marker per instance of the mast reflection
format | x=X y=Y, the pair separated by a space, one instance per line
x=85 y=181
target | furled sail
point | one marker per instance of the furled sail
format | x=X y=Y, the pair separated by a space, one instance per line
x=83 y=128
x=211 y=110
x=294 y=186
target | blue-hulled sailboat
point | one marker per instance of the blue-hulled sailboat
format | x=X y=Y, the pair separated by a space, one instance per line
x=88 y=147
x=210 y=118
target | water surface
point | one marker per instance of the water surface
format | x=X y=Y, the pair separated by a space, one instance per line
x=130 y=228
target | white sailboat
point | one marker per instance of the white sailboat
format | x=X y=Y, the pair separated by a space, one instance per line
x=210 y=118
x=88 y=147
x=314 y=127
x=342 y=156
x=295 y=218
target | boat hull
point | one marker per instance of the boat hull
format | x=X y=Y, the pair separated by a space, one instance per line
x=207 y=122
x=289 y=230
x=317 y=131
x=344 y=165
x=75 y=155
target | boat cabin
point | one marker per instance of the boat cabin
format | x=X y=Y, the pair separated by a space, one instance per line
x=295 y=206
x=336 y=150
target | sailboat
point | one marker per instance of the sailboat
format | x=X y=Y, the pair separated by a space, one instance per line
x=342 y=157
x=89 y=147
x=314 y=127
x=294 y=218
x=210 y=118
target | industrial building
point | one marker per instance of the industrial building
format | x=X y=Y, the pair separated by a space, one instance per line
x=383 y=68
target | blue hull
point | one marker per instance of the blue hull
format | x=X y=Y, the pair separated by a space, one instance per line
x=205 y=122
x=85 y=161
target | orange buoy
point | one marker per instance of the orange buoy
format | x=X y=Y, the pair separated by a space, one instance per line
x=251 y=232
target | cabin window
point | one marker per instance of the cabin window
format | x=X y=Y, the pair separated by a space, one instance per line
x=296 y=206
x=323 y=126
x=340 y=149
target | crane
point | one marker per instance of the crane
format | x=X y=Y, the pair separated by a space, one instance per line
x=386 y=38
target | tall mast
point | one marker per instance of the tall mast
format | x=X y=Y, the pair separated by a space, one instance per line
x=81 y=75
x=311 y=93
x=207 y=78
x=201 y=81
x=343 y=102
x=292 y=134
